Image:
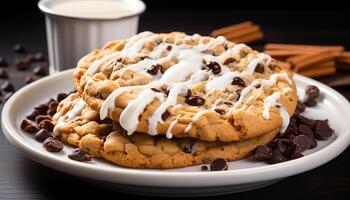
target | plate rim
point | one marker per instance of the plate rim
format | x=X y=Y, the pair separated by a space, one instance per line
x=249 y=175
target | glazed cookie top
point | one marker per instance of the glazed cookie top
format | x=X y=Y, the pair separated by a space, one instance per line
x=187 y=86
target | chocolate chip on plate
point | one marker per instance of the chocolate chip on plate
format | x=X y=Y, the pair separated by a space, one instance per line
x=304 y=120
x=52 y=145
x=322 y=130
x=7 y=86
x=310 y=102
x=204 y=168
x=29 y=78
x=262 y=152
x=40 y=118
x=46 y=124
x=218 y=164
x=52 y=108
x=61 y=96
x=214 y=67
x=312 y=91
x=28 y=126
x=32 y=115
x=195 y=101
x=238 y=81
x=29 y=58
x=79 y=155
x=42 y=108
x=305 y=130
x=302 y=141
x=153 y=69
x=18 y=48
x=300 y=107
x=42 y=135
x=276 y=157
x=3 y=62
x=39 y=56
x=8 y=95
x=40 y=70
x=3 y=73
x=21 y=64
x=259 y=68
x=313 y=142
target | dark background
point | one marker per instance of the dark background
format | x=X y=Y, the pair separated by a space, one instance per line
x=310 y=22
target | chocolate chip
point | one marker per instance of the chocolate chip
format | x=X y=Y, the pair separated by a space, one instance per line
x=229 y=60
x=42 y=135
x=29 y=58
x=18 y=48
x=79 y=155
x=21 y=64
x=322 y=130
x=276 y=157
x=153 y=69
x=8 y=95
x=32 y=115
x=307 y=121
x=29 y=79
x=294 y=151
x=40 y=118
x=312 y=91
x=7 y=86
x=238 y=81
x=195 y=101
x=169 y=47
x=218 y=164
x=257 y=86
x=272 y=66
x=40 y=70
x=3 y=73
x=28 y=126
x=300 y=108
x=165 y=115
x=42 y=108
x=3 y=62
x=52 y=108
x=214 y=67
x=189 y=93
x=46 y=124
x=187 y=148
x=259 y=68
x=204 y=168
x=155 y=90
x=281 y=145
x=313 y=142
x=61 y=96
x=302 y=141
x=220 y=111
x=310 y=102
x=305 y=130
x=261 y=153
x=238 y=92
x=52 y=145
x=39 y=56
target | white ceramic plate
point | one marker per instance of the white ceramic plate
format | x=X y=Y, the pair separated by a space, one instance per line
x=241 y=176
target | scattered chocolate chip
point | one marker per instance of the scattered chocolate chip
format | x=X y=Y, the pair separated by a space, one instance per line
x=195 y=101
x=276 y=157
x=189 y=93
x=204 y=168
x=165 y=115
x=312 y=91
x=52 y=108
x=40 y=118
x=39 y=56
x=21 y=64
x=153 y=69
x=259 y=68
x=272 y=66
x=313 y=142
x=310 y=102
x=42 y=108
x=52 y=145
x=32 y=115
x=169 y=47
x=306 y=121
x=220 y=111
x=18 y=48
x=228 y=103
x=281 y=145
x=155 y=90
x=29 y=78
x=302 y=141
x=42 y=135
x=40 y=70
x=305 y=130
x=322 y=130
x=257 y=86
x=3 y=73
x=28 y=126
x=300 y=108
x=261 y=152
x=7 y=86
x=218 y=164
x=214 y=67
x=238 y=81
x=294 y=151
x=79 y=155
x=229 y=60
x=8 y=95
x=61 y=96
x=3 y=62
x=46 y=124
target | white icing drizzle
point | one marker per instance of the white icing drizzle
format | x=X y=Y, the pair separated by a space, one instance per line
x=70 y=115
x=221 y=82
x=96 y=65
x=252 y=65
x=129 y=117
x=169 y=134
x=285 y=118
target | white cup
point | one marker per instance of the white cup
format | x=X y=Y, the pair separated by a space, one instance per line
x=71 y=34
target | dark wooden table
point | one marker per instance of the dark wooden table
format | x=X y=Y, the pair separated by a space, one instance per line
x=21 y=178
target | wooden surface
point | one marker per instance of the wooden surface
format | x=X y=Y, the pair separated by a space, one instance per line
x=21 y=178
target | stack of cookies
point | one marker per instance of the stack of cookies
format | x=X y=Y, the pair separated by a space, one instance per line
x=175 y=100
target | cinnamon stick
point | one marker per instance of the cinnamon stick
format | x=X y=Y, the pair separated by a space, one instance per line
x=251 y=37
x=302 y=47
x=318 y=72
x=232 y=28
x=304 y=61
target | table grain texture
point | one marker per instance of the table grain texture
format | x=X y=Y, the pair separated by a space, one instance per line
x=21 y=178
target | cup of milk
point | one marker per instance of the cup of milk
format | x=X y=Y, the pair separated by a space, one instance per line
x=76 y=27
